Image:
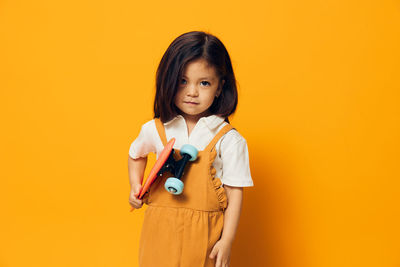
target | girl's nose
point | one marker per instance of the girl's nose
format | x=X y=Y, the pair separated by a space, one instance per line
x=192 y=91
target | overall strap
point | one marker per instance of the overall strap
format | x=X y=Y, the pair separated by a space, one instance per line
x=214 y=141
x=161 y=130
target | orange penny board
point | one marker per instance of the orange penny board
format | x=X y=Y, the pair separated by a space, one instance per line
x=157 y=166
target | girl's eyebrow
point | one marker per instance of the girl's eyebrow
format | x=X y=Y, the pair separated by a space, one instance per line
x=201 y=78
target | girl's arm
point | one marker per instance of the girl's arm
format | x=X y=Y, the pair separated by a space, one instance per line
x=136 y=169
x=232 y=212
x=222 y=249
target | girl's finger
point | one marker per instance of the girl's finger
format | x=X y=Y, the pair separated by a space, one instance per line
x=218 y=264
x=212 y=254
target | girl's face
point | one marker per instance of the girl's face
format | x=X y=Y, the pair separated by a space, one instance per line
x=197 y=89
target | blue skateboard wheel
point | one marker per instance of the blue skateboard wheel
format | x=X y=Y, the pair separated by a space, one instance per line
x=190 y=150
x=174 y=186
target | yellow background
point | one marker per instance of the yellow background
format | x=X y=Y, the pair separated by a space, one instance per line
x=318 y=105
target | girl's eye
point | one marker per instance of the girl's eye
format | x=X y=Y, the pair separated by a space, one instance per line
x=207 y=83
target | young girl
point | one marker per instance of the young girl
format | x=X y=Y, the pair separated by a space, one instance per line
x=195 y=93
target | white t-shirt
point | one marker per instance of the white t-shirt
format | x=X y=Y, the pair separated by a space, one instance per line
x=232 y=160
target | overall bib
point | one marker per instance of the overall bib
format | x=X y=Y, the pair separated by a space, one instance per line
x=181 y=230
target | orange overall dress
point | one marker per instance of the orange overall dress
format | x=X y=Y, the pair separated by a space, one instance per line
x=181 y=230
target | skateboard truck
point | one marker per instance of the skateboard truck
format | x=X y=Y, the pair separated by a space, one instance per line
x=166 y=162
x=174 y=185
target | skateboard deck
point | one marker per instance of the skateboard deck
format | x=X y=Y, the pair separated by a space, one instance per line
x=156 y=168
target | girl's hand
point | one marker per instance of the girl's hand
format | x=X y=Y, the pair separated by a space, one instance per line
x=221 y=250
x=133 y=200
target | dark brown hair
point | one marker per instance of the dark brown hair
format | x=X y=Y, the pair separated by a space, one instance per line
x=185 y=48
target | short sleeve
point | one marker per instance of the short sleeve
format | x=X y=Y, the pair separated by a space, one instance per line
x=144 y=143
x=235 y=162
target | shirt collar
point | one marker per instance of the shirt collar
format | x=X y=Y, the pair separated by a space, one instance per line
x=176 y=118
x=212 y=122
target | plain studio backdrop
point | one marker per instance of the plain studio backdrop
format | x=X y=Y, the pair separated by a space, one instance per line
x=318 y=105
